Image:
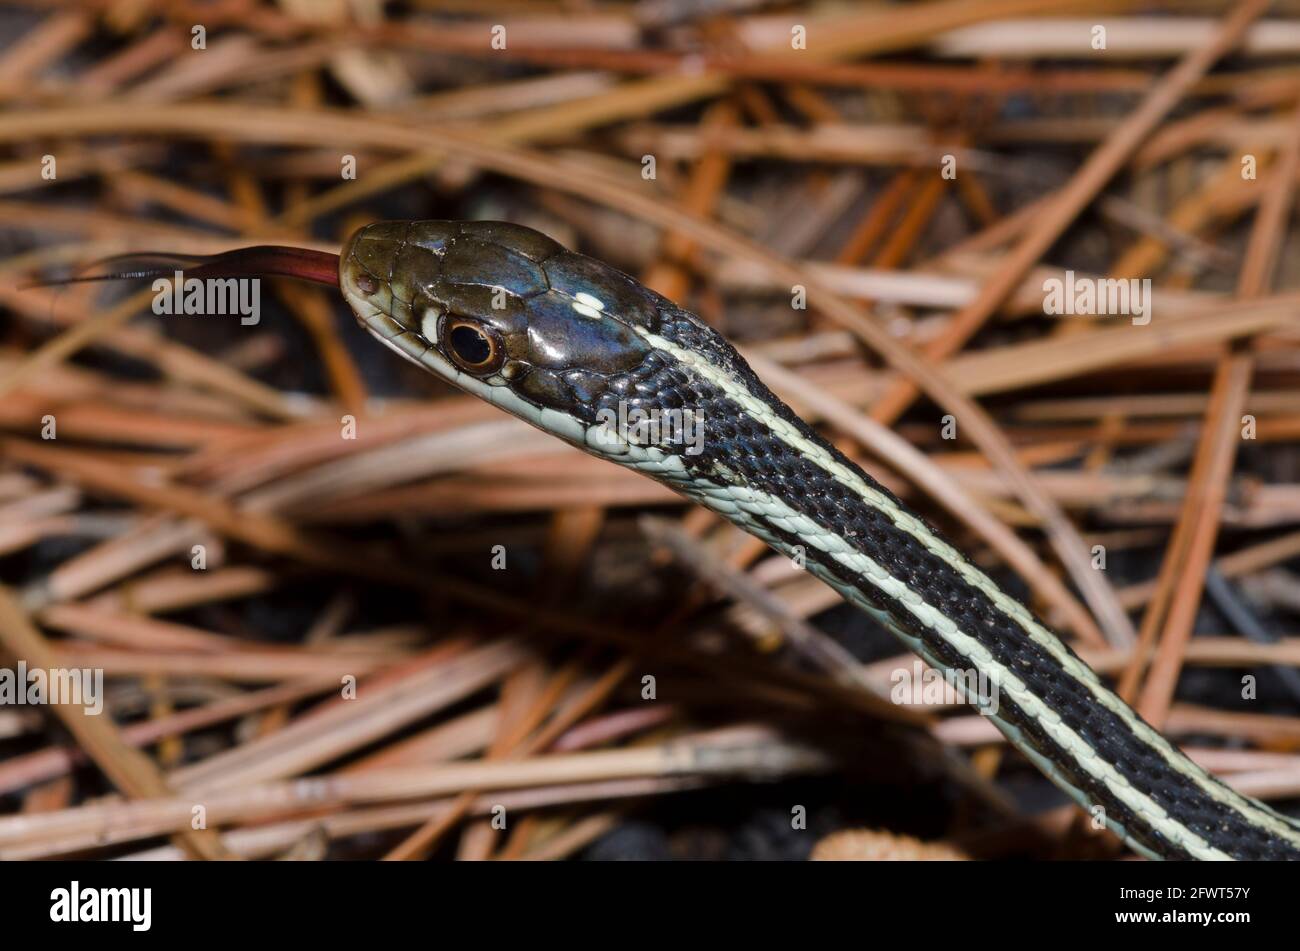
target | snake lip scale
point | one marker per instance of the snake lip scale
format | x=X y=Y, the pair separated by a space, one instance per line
x=564 y=341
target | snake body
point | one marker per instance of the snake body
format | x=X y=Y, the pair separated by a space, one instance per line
x=567 y=342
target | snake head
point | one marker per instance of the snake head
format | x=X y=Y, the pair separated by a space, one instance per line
x=502 y=311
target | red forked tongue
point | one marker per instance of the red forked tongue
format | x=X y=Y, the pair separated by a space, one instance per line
x=267 y=260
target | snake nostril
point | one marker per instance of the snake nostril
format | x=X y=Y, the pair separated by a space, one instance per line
x=366 y=283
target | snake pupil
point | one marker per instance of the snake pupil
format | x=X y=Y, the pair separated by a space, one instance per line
x=471 y=345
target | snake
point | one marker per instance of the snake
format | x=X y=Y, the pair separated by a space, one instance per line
x=577 y=348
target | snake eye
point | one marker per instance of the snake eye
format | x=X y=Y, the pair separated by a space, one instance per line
x=472 y=347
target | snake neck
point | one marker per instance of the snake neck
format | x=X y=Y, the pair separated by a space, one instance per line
x=761 y=467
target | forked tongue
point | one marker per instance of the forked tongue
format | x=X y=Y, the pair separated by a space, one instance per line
x=267 y=260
